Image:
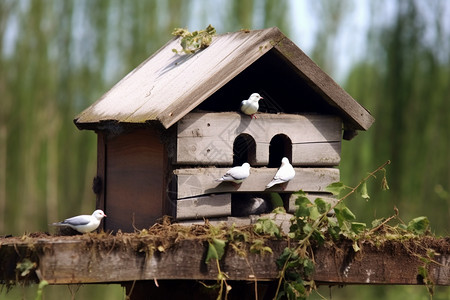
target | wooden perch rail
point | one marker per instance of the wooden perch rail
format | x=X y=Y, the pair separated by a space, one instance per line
x=109 y=259
x=201 y=181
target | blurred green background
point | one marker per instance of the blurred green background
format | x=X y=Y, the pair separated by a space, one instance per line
x=58 y=57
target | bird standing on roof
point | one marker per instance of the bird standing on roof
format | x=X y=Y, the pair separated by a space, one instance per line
x=251 y=106
x=83 y=223
x=285 y=173
x=236 y=174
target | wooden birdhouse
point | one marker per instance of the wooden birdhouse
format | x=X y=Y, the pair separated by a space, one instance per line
x=173 y=125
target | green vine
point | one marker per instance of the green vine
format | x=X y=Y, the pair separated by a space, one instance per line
x=312 y=224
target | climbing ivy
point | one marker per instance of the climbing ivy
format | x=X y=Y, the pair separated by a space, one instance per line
x=312 y=224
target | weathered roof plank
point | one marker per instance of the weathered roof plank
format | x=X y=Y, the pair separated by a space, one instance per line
x=167 y=85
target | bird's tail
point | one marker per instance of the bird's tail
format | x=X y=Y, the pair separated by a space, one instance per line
x=59 y=224
x=270 y=184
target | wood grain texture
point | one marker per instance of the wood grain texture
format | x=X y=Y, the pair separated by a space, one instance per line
x=207 y=138
x=201 y=181
x=101 y=172
x=116 y=260
x=135 y=185
x=204 y=207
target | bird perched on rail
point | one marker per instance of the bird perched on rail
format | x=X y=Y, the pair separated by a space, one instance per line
x=236 y=174
x=251 y=105
x=285 y=173
x=83 y=223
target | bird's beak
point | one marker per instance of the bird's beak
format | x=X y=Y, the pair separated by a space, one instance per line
x=104 y=215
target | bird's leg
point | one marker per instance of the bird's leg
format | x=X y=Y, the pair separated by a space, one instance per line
x=253 y=116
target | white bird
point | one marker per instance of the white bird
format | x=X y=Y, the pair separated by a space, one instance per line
x=83 y=223
x=251 y=105
x=236 y=174
x=285 y=173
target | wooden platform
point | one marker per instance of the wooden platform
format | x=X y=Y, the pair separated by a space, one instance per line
x=195 y=182
x=107 y=259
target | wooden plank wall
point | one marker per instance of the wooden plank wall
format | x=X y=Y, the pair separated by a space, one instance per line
x=204 y=206
x=135 y=171
x=207 y=138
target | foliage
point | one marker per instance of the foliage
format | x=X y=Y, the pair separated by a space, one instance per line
x=194 y=41
x=57 y=57
x=310 y=224
x=25 y=267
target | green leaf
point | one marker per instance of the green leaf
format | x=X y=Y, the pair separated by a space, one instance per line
x=319 y=237
x=355 y=246
x=258 y=247
x=403 y=226
x=314 y=213
x=334 y=232
x=358 y=227
x=25 y=267
x=307 y=228
x=301 y=200
x=303 y=204
x=418 y=225
x=285 y=255
x=276 y=200
x=363 y=191
x=377 y=222
x=267 y=226
x=333 y=229
x=335 y=188
x=308 y=267
x=295 y=290
x=343 y=213
x=279 y=210
x=216 y=249
x=322 y=205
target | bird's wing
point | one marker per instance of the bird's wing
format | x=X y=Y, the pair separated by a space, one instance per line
x=286 y=173
x=244 y=105
x=78 y=220
x=237 y=173
x=283 y=175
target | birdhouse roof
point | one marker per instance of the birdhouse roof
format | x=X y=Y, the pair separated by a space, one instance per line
x=167 y=85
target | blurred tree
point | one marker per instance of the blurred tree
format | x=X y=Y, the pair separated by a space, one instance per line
x=58 y=57
x=403 y=80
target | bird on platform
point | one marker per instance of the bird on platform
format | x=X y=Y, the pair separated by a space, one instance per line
x=83 y=223
x=251 y=105
x=236 y=174
x=285 y=173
